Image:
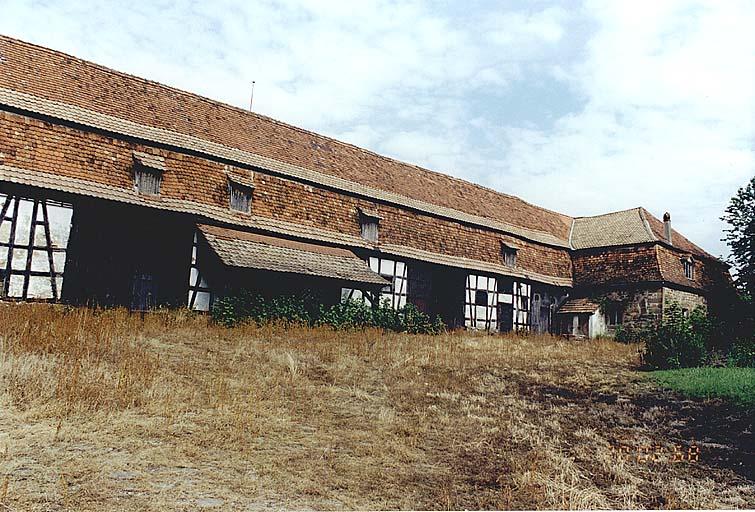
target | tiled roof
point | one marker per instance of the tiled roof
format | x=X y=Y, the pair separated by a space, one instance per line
x=99 y=121
x=77 y=88
x=679 y=241
x=151 y=161
x=625 y=227
x=250 y=250
x=481 y=266
x=578 y=306
x=279 y=227
x=617 y=228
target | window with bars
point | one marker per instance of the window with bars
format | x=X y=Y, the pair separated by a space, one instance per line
x=689 y=268
x=241 y=197
x=370 y=225
x=509 y=255
x=614 y=314
x=33 y=241
x=147 y=180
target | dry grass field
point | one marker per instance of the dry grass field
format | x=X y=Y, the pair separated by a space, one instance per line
x=107 y=411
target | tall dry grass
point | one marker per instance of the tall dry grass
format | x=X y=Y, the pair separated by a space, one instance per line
x=102 y=409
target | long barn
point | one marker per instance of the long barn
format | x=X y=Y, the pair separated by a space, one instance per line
x=119 y=191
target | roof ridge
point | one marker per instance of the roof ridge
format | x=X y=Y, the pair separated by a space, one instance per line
x=606 y=214
x=273 y=120
x=571 y=233
x=646 y=224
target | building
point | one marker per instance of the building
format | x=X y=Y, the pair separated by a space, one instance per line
x=116 y=190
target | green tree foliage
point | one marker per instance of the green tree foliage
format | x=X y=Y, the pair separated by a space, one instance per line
x=740 y=236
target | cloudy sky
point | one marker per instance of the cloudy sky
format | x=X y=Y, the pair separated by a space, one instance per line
x=580 y=107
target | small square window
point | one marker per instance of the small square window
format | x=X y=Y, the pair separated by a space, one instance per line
x=147 y=180
x=509 y=255
x=148 y=173
x=240 y=197
x=369 y=223
x=481 y=298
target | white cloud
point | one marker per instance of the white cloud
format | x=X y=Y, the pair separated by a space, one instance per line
x=668 y=123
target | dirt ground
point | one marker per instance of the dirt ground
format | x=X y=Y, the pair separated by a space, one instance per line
x=109 y=411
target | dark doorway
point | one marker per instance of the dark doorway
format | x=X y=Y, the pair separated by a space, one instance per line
x=505 y=317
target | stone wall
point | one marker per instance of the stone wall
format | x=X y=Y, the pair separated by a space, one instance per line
x=640 y=307
x=686 y=300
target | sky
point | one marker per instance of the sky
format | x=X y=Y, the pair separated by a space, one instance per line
x=579 y=107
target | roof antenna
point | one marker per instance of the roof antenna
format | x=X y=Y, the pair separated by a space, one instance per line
x=251 y=100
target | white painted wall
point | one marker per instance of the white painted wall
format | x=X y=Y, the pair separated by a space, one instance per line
x=597 y=326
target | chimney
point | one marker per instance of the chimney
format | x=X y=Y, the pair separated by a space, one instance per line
x=667 y=227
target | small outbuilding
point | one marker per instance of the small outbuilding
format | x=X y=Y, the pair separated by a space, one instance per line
x=580 y=318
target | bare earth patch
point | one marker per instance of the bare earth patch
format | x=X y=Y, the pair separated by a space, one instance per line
x=107 y=411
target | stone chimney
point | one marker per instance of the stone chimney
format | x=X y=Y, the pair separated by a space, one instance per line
x=667 y=227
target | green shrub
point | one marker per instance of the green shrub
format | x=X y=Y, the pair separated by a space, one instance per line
x=678 y=341
x=630 y=335
x=307 y=309
x=247 y=306
x=742 y=352
x=346 y=315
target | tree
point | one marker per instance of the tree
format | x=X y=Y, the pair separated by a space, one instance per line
x=740 y=215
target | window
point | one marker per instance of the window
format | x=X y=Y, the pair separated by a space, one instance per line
x=689 y=268
x=614 y=314
x=148 y=173
x=241 y=197
x=481 y=298
x=509 y=255
x=369 y=222
x=148 y=180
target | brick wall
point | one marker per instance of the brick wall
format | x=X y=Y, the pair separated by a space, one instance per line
x=707 y=274
x=69 y=152
x=53 y=75
x=615 y=265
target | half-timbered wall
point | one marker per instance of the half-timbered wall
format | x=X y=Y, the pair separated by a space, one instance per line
x=200 y=294
x=522 y=306
x=33 y=240
x=396 y=272
x=394 y=294
x=481 y=303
